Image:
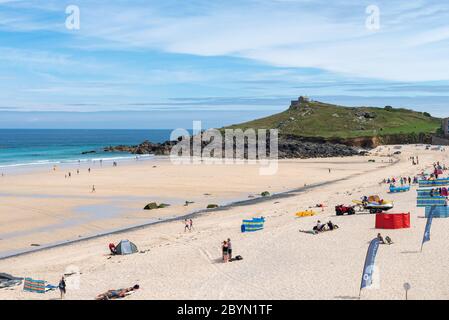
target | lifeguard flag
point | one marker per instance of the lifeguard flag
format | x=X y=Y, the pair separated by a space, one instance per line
x=426 y=236
x=368 y=269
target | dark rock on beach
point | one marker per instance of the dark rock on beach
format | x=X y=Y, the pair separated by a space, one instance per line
x=288 y=147
x=154 y=205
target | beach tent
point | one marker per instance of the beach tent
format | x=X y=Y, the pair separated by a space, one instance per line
x=255 y=224
x=36 y=286
x=126 y=247
x=438 y=212
x=392 y=220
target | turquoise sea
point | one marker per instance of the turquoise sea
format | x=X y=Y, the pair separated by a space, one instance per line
x=23 y=147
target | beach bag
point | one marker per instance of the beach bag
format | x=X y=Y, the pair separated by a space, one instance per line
x=238 y=258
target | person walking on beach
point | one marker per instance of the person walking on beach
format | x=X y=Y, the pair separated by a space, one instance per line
x=186 y=225
x=93 y=189
x=229 y=250
x=88 y=170
x=190 y=224
x=62 y=287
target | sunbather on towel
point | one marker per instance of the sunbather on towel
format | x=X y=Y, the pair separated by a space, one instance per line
x=116 y=294
x=319 y=226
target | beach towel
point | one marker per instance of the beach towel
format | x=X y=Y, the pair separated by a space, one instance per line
x=309 y=232
x=50 y=287
x=36 y=286
x=7 y=281
x=306 y=213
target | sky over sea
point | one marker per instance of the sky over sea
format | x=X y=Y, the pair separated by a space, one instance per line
x=162 y=64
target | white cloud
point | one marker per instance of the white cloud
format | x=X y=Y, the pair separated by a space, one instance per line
x=292 y=34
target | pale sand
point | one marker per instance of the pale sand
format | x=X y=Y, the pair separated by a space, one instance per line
x=279 y=262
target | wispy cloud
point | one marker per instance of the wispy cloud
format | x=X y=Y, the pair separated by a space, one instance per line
x=145 y=53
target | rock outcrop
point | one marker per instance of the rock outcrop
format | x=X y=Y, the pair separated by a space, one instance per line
x=288 y=147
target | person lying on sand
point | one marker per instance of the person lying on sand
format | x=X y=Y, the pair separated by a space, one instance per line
x=116 y=294
x=331 y=226
x=319 y=226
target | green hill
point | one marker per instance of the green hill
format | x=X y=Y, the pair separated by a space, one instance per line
x=306 y=118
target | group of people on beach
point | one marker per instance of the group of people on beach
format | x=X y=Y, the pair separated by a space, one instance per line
x=387 y=239
x=439 y=192
x=401 y=180
x=321 y=227
x=227 y=250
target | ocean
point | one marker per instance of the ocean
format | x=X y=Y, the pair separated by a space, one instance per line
x=27 y=147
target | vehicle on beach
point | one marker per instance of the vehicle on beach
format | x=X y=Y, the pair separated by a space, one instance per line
x=342 y=209
x=373 y=204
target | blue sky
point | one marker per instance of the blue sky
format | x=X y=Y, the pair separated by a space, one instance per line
x=162 y=64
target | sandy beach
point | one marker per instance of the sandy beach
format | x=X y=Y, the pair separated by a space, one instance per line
x=43 y=207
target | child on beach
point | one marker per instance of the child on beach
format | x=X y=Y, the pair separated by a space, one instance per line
x=190 y=224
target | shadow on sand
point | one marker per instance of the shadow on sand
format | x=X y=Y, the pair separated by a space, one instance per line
x=410 y=251
x=346 y=298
